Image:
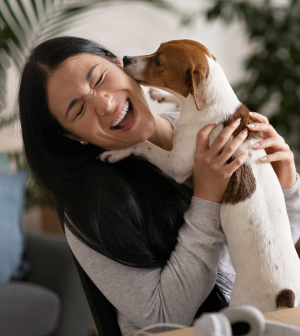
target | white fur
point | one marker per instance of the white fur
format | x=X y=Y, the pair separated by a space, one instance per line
x=136 y=67
x=257 y=230
x=163 y=96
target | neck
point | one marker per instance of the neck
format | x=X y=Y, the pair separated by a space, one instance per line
x=222 y=101
x=163 y=133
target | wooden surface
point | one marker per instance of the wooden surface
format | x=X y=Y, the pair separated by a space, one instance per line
x=291 y=316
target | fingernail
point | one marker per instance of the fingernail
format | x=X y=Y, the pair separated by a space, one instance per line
x=263 y=158
x=251 y=125
x=251 y=113
x=245 y=131
x=257 y=144
x=237 y=121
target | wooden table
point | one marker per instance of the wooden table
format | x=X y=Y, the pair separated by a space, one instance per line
x=291 y=316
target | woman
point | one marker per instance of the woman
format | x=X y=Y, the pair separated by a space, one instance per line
x=154 y=248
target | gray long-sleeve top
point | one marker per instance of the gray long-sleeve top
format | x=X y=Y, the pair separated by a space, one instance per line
x=173 y=293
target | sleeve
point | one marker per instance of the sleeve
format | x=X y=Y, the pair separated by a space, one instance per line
x=292 y=201
x=171 y=116
x=125 y=324
x=172 y=293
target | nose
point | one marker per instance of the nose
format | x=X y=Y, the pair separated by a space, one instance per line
x=126 y=60
x=104 y=103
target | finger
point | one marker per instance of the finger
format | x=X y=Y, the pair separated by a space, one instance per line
x=258 y=117
x=278 y=156
x=232 y=147
x=236 y=163
x=202 y=138
x=273 y=142
x=223 y=137
x=265 y=128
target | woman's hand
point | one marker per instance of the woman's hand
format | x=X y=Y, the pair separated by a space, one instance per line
x=211 y=173
x=279 y=153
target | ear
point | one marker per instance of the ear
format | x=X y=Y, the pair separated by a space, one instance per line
x=197 y=80
x=213 y=57
x=119 y=62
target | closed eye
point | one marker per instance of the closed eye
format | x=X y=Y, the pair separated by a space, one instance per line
x=80 y=110
x=99 y=80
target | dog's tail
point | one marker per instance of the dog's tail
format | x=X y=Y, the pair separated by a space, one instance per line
x=285 y=299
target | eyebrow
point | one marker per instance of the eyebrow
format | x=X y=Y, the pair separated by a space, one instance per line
x=87 y=79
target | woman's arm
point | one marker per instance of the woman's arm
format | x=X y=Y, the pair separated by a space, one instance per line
x=169 y=294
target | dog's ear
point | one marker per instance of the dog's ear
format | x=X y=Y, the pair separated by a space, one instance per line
x=196 y=79
x=213 y=57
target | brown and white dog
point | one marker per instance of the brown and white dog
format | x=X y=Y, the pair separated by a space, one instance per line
x=253 y=212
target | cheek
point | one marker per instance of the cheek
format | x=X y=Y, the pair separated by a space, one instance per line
x=121 y=81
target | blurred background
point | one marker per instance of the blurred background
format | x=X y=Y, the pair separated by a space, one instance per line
x=256 y=42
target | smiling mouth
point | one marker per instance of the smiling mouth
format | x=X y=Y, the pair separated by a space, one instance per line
x=126 y=119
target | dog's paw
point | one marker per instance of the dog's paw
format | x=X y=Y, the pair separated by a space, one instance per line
x=114 y=155
x=162 y=96
x=157 y=95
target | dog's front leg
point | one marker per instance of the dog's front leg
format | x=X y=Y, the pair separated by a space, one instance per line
x=177 y=163
x=163 y=96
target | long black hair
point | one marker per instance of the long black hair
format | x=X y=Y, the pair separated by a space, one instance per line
x=128 y=211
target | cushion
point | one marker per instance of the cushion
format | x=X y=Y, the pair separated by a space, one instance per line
x=12 y=239
x=28 y=309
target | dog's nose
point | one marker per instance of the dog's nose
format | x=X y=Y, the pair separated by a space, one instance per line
x=126 y=60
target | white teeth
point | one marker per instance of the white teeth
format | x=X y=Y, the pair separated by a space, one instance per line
x=122 y=114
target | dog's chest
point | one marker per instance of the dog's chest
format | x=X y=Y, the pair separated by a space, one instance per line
x=186 y=130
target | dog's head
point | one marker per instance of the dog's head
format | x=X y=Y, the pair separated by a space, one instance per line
x=180 y=66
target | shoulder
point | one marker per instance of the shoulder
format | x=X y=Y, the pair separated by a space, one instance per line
x=90 y=260
x=77 y=246
x=82 y=252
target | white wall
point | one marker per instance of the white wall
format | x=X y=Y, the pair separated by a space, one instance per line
x=138 y=28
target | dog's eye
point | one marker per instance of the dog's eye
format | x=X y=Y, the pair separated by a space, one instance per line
x=157 y=62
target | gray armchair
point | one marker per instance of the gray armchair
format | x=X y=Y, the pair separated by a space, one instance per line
x=51 y=301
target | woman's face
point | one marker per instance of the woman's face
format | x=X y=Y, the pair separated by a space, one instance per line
x=89 y=95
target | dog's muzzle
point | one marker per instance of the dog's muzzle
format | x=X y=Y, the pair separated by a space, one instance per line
x=127 y=60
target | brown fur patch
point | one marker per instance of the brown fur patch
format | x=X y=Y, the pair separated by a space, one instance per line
x=183 y=68
x=242 y=183
x=285 y=299
x=242 y=112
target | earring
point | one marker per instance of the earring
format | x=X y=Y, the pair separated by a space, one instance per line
x=82 y=142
